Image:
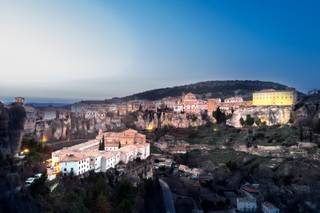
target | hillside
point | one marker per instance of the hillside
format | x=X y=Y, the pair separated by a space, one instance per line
x=210 y=89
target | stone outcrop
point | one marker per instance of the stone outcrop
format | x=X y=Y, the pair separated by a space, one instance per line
x=163 y=119
x=12 y=120
x=271 y=115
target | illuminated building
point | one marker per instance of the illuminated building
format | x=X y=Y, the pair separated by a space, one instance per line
x=274 y=98
x=213 y=104
x=126 y=137
x=119 y=147
x=236 y=99
x=190 y=104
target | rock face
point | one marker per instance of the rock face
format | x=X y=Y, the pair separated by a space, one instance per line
x=163 y=119
x=271 y=115
x=11 y=126
x=75 y=127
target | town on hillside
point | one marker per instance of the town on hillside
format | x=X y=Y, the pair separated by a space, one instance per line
x=185 y=153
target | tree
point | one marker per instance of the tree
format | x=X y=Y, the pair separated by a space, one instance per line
x=301 y=133
x=101 y=144
x=249 y=120
x=194 y=118
x=242 y=121
x=219 y=116
x=102 y=204
x=316 y=125
x=258 y=122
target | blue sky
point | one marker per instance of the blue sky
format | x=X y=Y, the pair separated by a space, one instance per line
x=101 y=49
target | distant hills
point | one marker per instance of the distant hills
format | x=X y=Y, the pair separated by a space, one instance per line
x=209 y=89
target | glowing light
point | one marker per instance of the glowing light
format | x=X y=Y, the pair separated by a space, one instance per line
x=150 y=127
x=44 y=139
x=25 y=151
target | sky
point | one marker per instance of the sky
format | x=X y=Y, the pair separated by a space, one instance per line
x=100 y=49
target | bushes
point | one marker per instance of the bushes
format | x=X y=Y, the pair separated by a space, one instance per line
x=249 y=121
x=219 y=116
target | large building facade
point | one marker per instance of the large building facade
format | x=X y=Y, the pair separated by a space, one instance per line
x=274 y=98
x=118 y=147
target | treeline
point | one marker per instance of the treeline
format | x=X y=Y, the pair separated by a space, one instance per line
x=98 y=193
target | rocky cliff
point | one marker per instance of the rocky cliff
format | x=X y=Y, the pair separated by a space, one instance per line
x=151 y=121
x=12 y=120
x=271 y=115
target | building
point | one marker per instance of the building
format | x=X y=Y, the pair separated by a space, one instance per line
x=269 y=208
x=213 y=104
x=169 y=102
x=246 y=204
x=74 y=163
x=274 y=98
x=189 y=104
x=236 y=99
x=122 y=147
x=30 y=121
x=48 y=114
x=19 y=100
x=178 y=108
x=126 y=137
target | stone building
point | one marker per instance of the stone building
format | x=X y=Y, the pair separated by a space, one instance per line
x=127 y=137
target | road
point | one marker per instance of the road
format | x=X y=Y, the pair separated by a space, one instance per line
x=167 y=197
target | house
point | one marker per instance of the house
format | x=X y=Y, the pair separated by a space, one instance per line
x=74 y=163
x=236 y=99
x=246 y=204
x=269 y=208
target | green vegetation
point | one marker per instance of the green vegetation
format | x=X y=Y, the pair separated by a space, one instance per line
x=94 y=193
x=36 y=152
x=219 y=116
x=220 y=134
x=101 y=144
x=249 y=121
x=154 y=149
x=215 y=157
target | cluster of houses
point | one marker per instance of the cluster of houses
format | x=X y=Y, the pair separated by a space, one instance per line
x=178 y=109
x=188 y=103
x=251 y=199
x=98 y=155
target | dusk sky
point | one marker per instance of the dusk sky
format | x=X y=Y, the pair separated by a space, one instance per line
x=102 y=49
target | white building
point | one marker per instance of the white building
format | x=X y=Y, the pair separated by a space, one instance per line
x=269 y=208
x=246 y=204
x=90 y=114
x=236 y=99
x=178 y=108
x=49 y=114
x=85 y=157
x=74 y=163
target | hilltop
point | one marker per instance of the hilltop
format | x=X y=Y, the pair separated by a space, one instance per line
x=210 y=89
